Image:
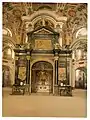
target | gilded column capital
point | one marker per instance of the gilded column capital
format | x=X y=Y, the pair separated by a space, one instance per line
x=28 y=57
x=56 y=58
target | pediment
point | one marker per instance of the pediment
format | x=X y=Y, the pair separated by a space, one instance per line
x=42 y=38
x=43 y=30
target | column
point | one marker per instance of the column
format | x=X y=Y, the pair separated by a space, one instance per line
x=67 y=70
x=70 y=77
x=16 y=69
x=56 y=75
x=73 y=75
x=56 y=70
x=61 y=37
x=28 y=70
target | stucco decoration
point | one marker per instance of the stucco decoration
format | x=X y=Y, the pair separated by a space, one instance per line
x=7 y=32
x=81 y=32
x=76 y=14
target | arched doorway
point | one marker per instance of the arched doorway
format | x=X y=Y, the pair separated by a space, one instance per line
x=81 y=78
x=42 y=77
x=6 y=76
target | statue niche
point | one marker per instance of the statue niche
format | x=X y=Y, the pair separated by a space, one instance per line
x=43 y=77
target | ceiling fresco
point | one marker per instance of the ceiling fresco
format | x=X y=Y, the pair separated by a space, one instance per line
x=76 y=14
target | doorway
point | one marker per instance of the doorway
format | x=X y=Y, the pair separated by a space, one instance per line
x=81 y=78
x=42 y=77
x=6 y=82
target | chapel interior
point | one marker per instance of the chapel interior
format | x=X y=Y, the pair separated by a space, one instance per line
x=44 y=44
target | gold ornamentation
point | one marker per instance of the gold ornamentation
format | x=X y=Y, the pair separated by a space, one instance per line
x=22 y=73
x=43 y=44
x=56 y=57
x=28 y=57
x=56 y=45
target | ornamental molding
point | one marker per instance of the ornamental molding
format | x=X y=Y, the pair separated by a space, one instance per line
x=45 y=13
x=76 y=42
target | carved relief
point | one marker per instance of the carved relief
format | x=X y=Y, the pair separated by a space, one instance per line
x=43 y=44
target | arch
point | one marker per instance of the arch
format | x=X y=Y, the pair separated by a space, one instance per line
x=43 y=14
x=7 y=47
x=81 y=32
x=38 y=60
x=44 y=7
x=78 y=30
x=41 y=62
x=7 y=32
x=9 y=42
x=46 y=13
x=45 y=59
x=37 y=18
x=82 y=69
x=76 y=42
x=81 y=77
x=6 y=79
x=42 y=77
x=11 y=70
x=7 y=53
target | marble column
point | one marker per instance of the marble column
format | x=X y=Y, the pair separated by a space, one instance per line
x=28 y=70
x=16 y=69
x=56 y=71
x=61 y=38
x=72 y=74
x=56 y=75
x=70 y=70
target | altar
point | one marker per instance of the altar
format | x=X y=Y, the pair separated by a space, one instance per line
x=42 y=62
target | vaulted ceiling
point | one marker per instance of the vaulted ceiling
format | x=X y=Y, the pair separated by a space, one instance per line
x=76 y=14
